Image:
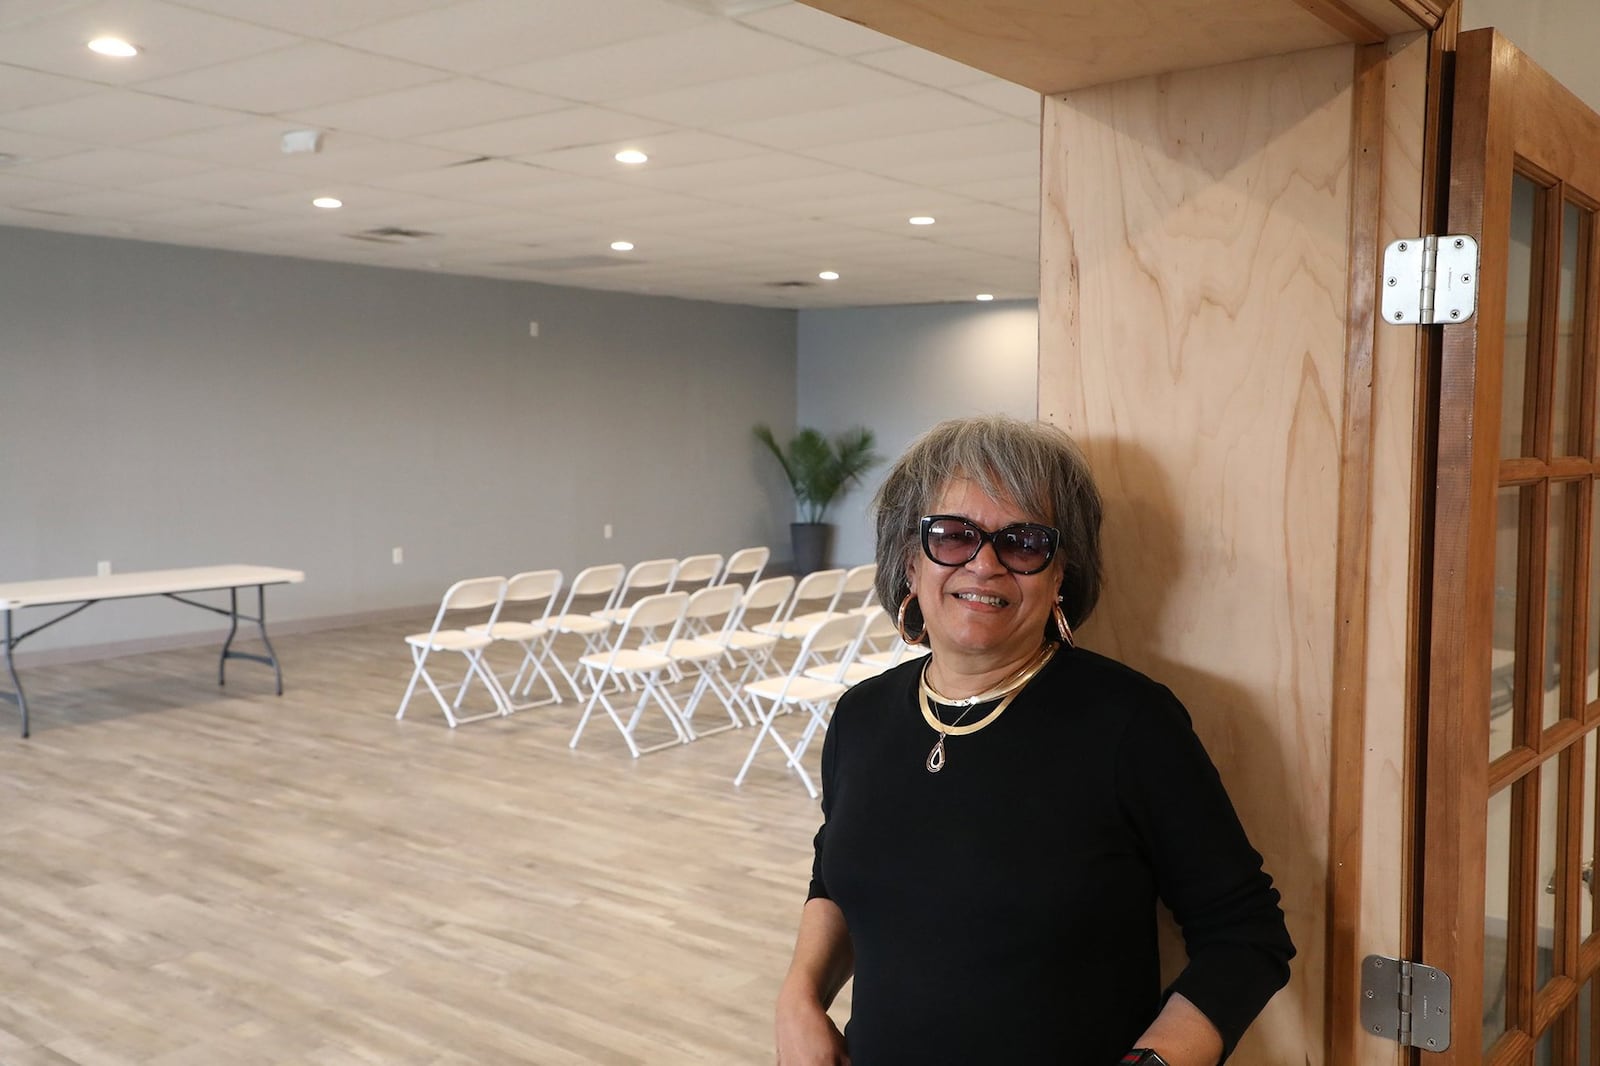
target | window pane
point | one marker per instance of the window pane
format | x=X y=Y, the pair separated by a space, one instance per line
x=1563 y=518
x=1545 y=936
x=1503 y=651
x=1496 y=926
x=1564 y=415
x=1544 y=1054
x=1586 y=845
x=1519 y=291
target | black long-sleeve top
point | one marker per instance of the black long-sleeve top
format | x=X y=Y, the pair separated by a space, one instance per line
x=1004 y=909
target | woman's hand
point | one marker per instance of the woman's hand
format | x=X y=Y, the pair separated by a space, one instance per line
x=806 y=1035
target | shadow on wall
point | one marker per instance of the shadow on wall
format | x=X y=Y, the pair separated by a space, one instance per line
x=1250 y=730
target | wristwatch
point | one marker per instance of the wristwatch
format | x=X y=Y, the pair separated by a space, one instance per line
x=1142 y=1056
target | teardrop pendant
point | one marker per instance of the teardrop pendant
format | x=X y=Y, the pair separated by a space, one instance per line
x=936 y=756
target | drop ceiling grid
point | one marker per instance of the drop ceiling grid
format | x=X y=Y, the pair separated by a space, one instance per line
x=786 y=141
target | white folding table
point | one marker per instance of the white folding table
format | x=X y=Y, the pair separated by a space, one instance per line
x=84 y=592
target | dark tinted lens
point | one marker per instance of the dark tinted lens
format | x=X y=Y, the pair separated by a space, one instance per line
x=1023 y=548
x=951 y=542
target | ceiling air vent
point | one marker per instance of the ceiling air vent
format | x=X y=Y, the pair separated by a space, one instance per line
x=390 y=235
x=789 y=284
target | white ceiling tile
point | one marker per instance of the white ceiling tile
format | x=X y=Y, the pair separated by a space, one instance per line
x=316 y=18
x=861 y=120
x=115 y=116
x=957 y=170
x=441 y=105
x=20 y=88
x=712 y=51
x=104 y=203
x=111 y=167
x=225 y=186
x=888 y=155
x=465 y=179
x=672 y=148
x=921 y=65
x=490 y=34
x=704 y=179
x=202 y=216
x=348 y=157
x=16 y=189
x=305 y=75
x=172 y=39
x=783 y=92
x=542 y=133
x=31 y=146
x=819 y=29
x=1006 y=191
x=1007 y=97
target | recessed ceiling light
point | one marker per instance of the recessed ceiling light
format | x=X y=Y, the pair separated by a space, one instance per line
x=327 y=202
x=631 y=156
x=113 y=46
x=829 y=275
x=921 y=220
x=985 y=297
x=622 y=246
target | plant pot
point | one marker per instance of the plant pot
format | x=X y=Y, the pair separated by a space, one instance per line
x=811 y=541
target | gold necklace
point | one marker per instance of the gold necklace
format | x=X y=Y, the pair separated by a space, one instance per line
x=1005 y=692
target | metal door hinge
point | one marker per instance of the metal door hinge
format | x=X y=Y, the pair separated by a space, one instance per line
x=1428 y=280
x=1406 y=1002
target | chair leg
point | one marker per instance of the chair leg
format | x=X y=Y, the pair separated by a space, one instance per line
x=412 y=687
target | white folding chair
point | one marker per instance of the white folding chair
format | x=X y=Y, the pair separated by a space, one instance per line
x=695 y=653
x=772 y=695
x=646 y=671
x=745 y=566
x=858 y=589
x=696 y=570
x=821 y=589
x=857 y=668
x=531 y=587
x=473 y=594
x=590 y=584
x=747 y=651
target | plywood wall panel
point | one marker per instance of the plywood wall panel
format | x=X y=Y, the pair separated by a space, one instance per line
x=1192 y=318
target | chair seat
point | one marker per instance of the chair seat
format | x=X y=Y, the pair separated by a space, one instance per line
x=616 y=616
x=692 y=651
x=450 y=640
x=627 y=661
x=807 y=689
x=513 y=630
x=578 y=623
x=854 y=674
x=742 y=640
x=797 y=627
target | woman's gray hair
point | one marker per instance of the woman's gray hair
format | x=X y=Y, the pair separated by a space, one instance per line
x=1031 y=463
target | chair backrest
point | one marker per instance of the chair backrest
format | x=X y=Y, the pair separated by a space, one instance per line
x=745 y=565
x=695 y=569
x=532 y=586
x=650 y=574
x=709 y=608
x=769 y=594
x=856 y=589
x=475 y=593
x=817 y=585
x=834 y=641
x=604 y=580
x=880 y=628
x=649 y=615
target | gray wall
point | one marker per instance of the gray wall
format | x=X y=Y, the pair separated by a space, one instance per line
x=1559 y=35
x=164 y=406
x=899 y=370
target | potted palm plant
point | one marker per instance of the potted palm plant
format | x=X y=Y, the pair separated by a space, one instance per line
x=819 y=469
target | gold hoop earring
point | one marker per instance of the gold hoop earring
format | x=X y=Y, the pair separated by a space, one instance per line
x=1061 y=624
x=900 y=623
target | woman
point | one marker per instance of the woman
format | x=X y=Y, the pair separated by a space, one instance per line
x=1001 y=816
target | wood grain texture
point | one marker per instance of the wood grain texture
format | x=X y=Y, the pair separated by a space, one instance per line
x=1397 y=437
x=1052 y=46
x=1192 y=335
x=196 y=876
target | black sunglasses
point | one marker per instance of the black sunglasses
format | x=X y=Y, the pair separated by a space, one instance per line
x=1022 y=547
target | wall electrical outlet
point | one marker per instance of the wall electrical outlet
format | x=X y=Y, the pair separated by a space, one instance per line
x=103 y=568
x=399 y=556
x=606 y=531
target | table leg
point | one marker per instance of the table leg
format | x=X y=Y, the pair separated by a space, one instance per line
x=233 y=627
x=16 y=683
x=270 y=659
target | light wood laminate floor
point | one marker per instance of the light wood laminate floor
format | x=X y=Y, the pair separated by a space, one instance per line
x=195 y=876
